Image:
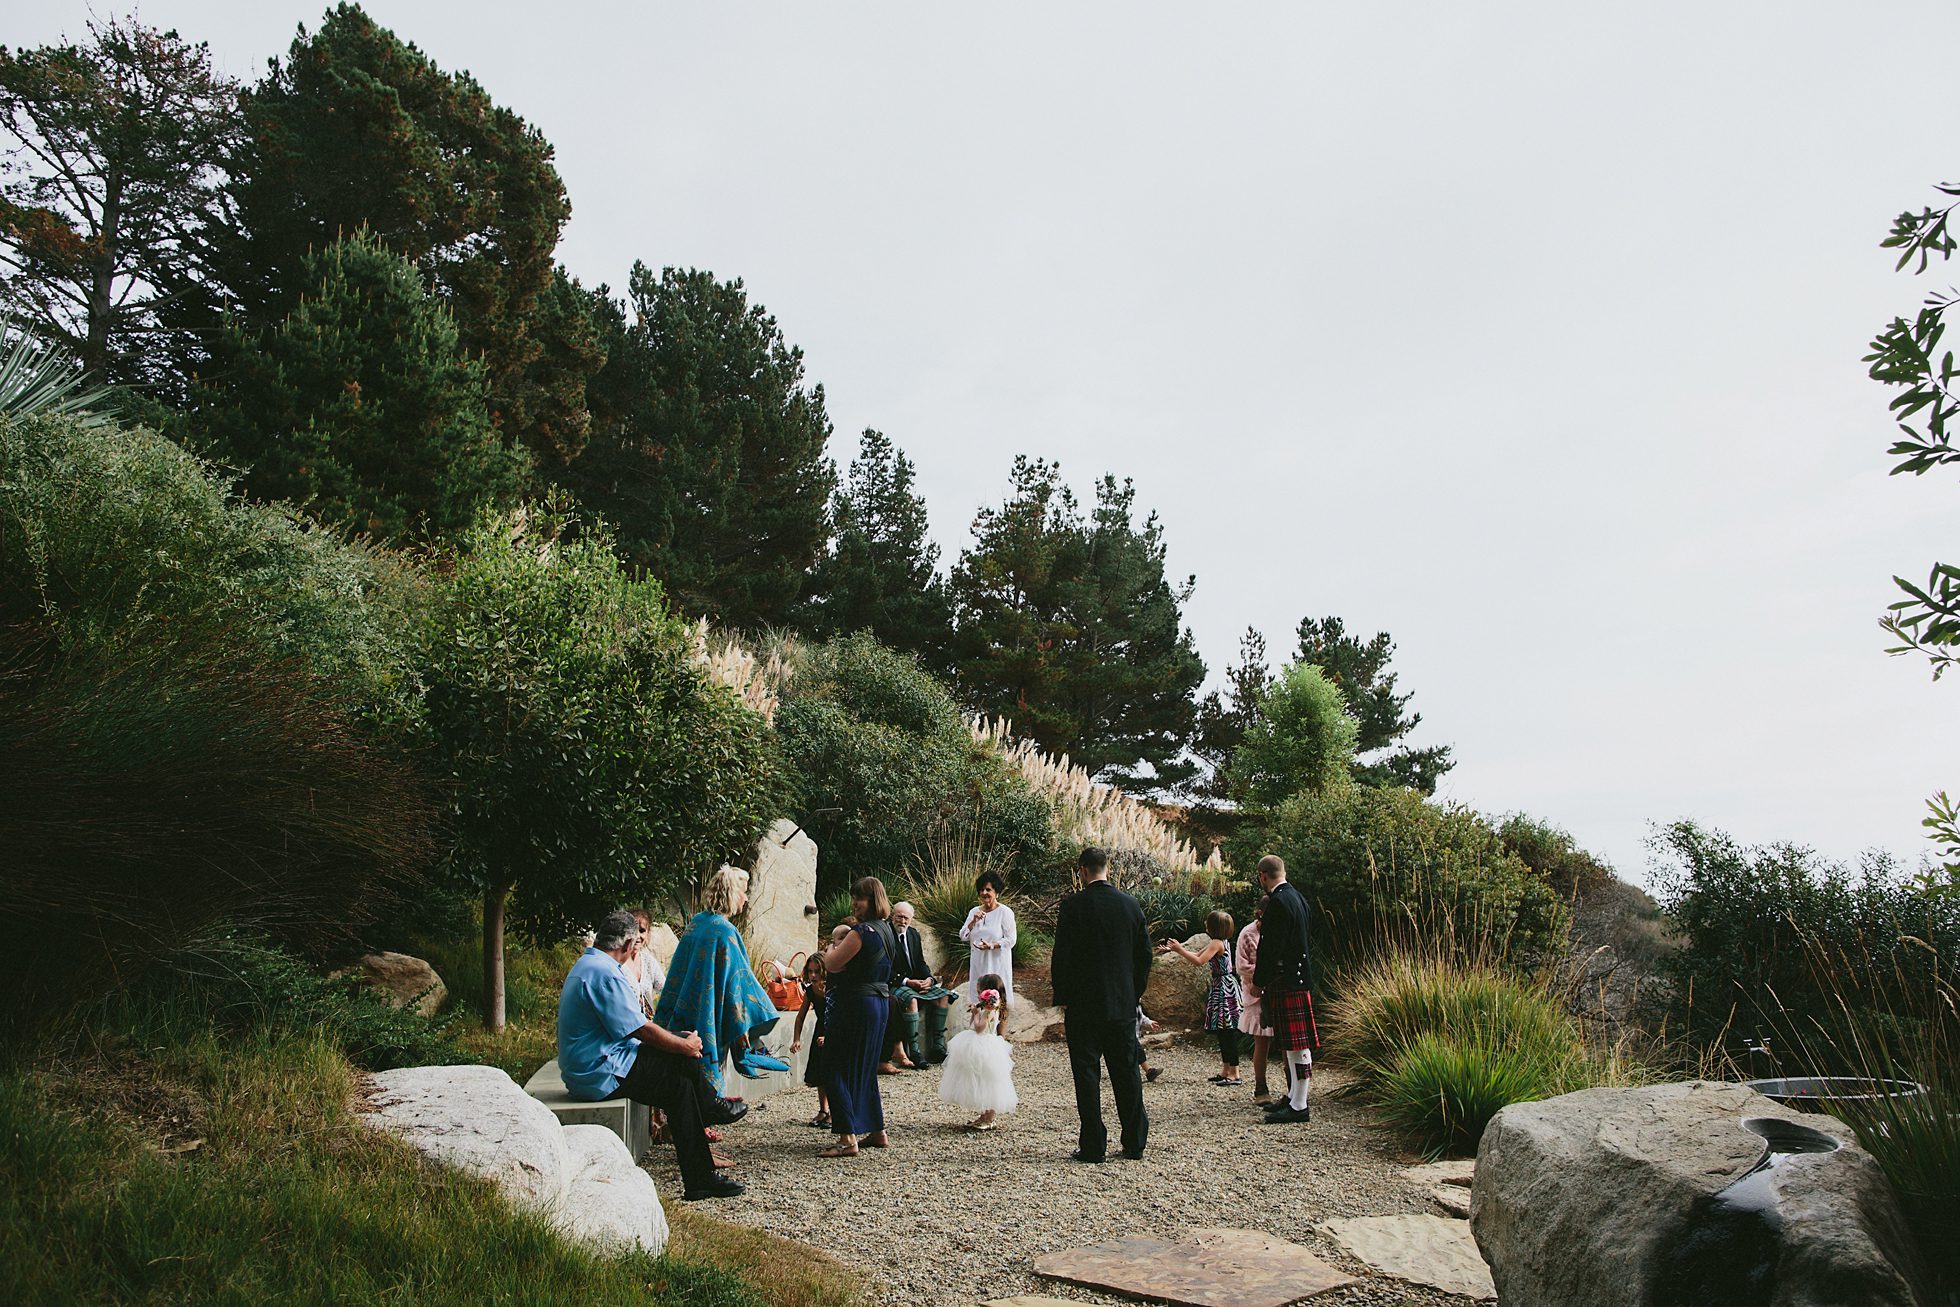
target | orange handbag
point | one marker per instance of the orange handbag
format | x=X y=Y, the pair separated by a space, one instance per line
x=784 y=986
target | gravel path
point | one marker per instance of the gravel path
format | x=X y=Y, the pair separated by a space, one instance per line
x=984 y=1206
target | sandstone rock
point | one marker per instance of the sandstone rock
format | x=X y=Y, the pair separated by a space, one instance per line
x=782 y=887
x=1600 y=1196
x=1030 y=1024
x=403 y=980
x=1431 y=1250
x=475 y=1118
x=1452 y=1198
x=610 y=1202
x=1455 y=1171
x=663 y=941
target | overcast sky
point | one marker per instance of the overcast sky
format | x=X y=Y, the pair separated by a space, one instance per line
x=1528 y=333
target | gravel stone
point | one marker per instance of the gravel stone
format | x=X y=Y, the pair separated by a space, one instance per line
x=981 y=1207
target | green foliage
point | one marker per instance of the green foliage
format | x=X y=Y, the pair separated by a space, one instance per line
x=356 y=129
x=36 y=380
x=93 y=1210
x=199 y=704
x=1442 y=1042
x=1068 y=626
x=1172 y=912
x=880 y=574
x=1223 y=719
x=707 y=455
x=1553 y=854
x=362 y=406
x=120 y=140
x=1301 y=739
x=1750 y=920
x=589 y=760
x=884 y=766
x=1360 y=669
x=1376 y=861
x=1442 y=1090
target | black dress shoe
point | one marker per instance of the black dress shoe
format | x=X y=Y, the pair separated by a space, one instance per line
x=716 y=1185
x=1129 y=1156
x=1079 y=1156
x=724 y=1111
x=1288 y=1115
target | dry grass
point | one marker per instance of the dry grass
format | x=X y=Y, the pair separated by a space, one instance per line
x=784 y=1272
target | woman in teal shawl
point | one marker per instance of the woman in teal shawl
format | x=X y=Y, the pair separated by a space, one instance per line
x=711 y=989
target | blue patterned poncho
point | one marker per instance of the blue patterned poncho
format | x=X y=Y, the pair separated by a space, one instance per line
x=711 y=991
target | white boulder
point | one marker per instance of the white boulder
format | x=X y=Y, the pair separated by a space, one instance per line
x=477 y=1119
x=610 y=1202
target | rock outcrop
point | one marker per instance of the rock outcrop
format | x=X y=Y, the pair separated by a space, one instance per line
x=1639 y=1197
x=475 y=1118
x=403 y=980
x=781 y=918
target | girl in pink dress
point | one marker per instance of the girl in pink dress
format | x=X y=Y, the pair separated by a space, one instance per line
x=1251 y=1021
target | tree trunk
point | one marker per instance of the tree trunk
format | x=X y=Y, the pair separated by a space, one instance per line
x=493 y=956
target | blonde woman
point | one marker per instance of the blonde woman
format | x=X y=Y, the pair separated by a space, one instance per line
x=711 y=989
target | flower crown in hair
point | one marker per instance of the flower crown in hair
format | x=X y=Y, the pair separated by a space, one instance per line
x=989 y=996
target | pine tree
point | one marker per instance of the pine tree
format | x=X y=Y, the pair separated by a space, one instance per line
x=120 y=143
x=362 y=407
x=357 y=129
x=708 y=457
x=1068 y=626
x=1360 y=669
x=881 y=574
x=1223 y=719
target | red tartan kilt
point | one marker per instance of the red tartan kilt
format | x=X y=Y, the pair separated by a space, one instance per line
x=1291 y=1013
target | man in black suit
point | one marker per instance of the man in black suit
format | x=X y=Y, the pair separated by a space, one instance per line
x=913 y=987
x=1284 y=974
x=1100 y=964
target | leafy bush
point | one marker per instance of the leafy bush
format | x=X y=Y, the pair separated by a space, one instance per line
x=1378 y=862
x=884 y=765
x=247 y=986
x=1170 y=911
x=588 y=758
x=1553 y=854
x=1753 y=920
x=199 y=703
x=1302 y=737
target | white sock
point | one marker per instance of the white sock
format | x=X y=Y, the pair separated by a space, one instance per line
x=1300 y=1060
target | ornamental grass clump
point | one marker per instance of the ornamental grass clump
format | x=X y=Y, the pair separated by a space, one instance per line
x=1440 y=1043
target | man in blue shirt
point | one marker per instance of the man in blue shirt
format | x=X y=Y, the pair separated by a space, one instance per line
x=607 y=1047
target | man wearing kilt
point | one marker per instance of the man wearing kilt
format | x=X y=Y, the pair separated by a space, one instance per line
x=1284 y=975
x=914 y=988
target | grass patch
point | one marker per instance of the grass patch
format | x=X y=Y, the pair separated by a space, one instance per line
x=785 y=1273
x=158 y=1157
x=533 y=977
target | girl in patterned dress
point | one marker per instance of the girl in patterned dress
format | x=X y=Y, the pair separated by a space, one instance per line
x=1222 y=1000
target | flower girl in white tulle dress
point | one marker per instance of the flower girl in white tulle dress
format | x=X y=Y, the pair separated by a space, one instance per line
x=979 y=1070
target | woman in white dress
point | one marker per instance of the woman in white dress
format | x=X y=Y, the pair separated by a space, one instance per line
x=989 y=932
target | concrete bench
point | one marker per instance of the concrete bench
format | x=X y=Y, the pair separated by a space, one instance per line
x=631 y=1121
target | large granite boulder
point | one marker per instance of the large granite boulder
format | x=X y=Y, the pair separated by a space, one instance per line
x=781 y=919
x=610 y=1202
x=403 y=980
x=477 y=1119
x=1645 y=1197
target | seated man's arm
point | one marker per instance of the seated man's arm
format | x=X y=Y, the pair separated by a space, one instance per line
x=666 y=1041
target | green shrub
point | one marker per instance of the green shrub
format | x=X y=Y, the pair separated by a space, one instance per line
x=1169 y=911
x=884 y=767
x=1441 y=1090
x=1753 y=921
x=1302 y=737
x=200 y=708
x=1387 y=864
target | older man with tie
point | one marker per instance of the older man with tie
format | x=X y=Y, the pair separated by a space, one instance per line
x=913 y=985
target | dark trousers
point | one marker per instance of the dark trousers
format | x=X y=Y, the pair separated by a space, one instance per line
x=678 y=1086
x=1093 y=1043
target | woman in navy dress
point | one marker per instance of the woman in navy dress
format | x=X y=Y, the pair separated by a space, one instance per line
x=860 y=967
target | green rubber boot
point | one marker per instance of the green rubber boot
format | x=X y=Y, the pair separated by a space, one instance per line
x=935 y=1019
x=909 y=1023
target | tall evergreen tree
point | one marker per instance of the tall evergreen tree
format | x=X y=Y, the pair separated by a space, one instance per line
x=358 y=129
x=116 y=160
x=1223 y=719
x=1068 y=626
x=881 y=574
x=362 y=406
x=708 y=454
x=1360 y=669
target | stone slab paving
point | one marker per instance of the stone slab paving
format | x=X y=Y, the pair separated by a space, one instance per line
x=1452 y=1198
x=1029 y=1300
x=1431 y=1250
x=1208 y=1268
x=1461 y=1171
